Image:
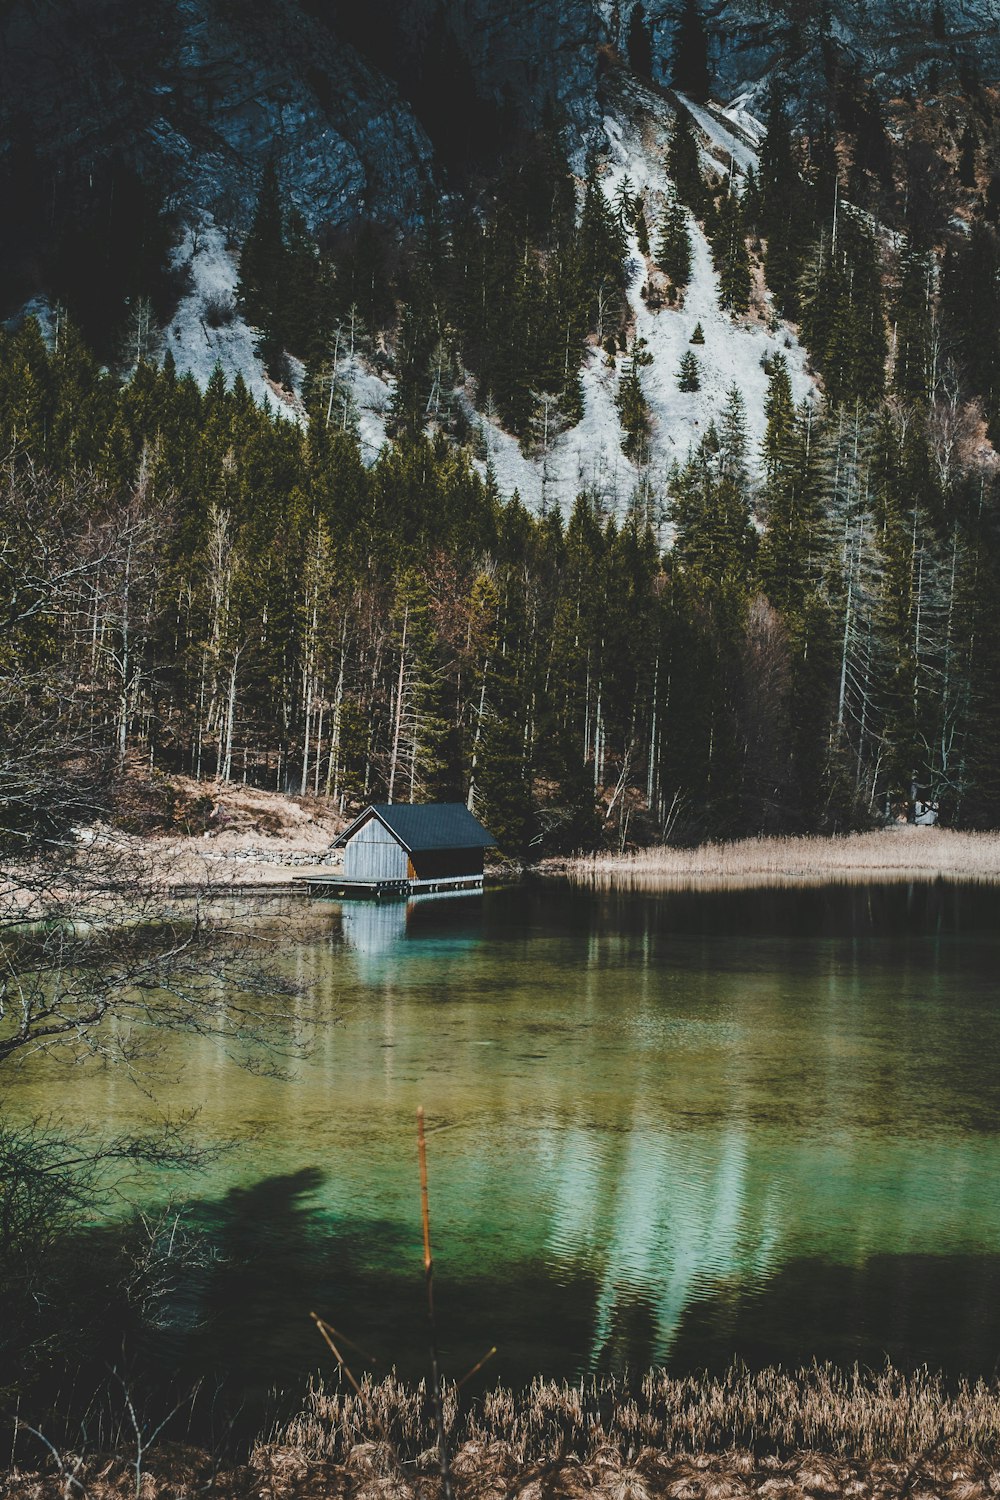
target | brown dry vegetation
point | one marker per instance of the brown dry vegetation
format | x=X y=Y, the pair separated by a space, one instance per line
x=819 y=1433
x=902 y=853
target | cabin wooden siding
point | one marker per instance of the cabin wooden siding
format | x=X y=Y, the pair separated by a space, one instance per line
x=373 y=854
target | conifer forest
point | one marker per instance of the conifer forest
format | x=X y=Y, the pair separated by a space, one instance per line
x=782 y=629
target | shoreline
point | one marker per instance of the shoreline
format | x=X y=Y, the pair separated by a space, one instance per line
x=265 y=844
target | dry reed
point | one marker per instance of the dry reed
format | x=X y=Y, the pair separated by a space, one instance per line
x=859 y=1414
x=818 y=1433
x=891 y=854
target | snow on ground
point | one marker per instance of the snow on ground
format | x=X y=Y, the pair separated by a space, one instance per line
x=739 y=113
x=727 y=145
x=41 y=309
x=734 y=350
x=196 y=345
x=586 y=457
x=589 y=456
x=372 y=400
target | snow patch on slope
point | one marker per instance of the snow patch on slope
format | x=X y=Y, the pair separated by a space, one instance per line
x=728 y=146
x=734 y=352
x=372 y=400
x=197 y=346
x=588 y=457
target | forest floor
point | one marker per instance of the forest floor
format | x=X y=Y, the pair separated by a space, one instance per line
x=888 y=854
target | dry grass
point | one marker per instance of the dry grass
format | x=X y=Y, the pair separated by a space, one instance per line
x=815 y=1434
x=864 y=1415
x=891 y=854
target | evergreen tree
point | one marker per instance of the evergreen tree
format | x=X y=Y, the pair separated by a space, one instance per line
x=601 y=258
x=967 y=157
x=263 y=278
x=698 y=336
x=913 y=316
x=970 y=297
x=632 y=406
x=842 y=315
x=690 y=71
x=786 y=213
x=689 y=374
x=730 y=255
x=710 y=504
x=684 y=165
x=640 y=44
x=674 y=248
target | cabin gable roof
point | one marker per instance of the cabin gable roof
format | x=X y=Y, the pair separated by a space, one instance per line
x=420 y=827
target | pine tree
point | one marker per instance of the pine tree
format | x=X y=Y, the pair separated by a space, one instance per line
x=674 y=249
x=640 y=44
x=698 y=336
x=913 y=314
x=634 y=410
x=786 y=208
x=689 y=374
x=967 y=157
x=263 y=265
x=730 y=255
x=690 y=72
x=601 y=258
x=684 y=165
x=710 y=505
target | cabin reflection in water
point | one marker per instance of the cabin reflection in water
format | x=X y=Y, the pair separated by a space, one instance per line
x=430 y=925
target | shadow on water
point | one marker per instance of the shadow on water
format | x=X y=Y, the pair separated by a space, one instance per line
x=238 y=1325
x=240 y=1322
x=914 y=1310
x=244 y=1322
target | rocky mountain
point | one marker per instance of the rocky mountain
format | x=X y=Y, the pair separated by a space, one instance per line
x=198 y=93
x=356 y=101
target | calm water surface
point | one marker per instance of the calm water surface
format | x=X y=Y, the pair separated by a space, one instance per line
x=664 y=1128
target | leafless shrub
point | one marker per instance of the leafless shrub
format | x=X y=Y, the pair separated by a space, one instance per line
x=219 y=310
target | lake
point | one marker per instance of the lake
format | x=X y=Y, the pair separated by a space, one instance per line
x=663 y=1128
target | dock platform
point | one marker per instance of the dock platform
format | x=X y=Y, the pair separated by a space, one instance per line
x=336 y=888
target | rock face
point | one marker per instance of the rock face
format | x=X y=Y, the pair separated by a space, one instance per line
x=199 y=93
x=538 y=56
x=891 y=41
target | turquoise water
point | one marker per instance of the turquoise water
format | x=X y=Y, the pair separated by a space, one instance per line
x=674 y=1128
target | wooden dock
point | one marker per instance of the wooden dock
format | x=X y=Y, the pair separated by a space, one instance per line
x=336 y=888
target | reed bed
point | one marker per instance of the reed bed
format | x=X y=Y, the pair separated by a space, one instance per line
x=816 y=1433
x=858 y=1414
x=885 y=855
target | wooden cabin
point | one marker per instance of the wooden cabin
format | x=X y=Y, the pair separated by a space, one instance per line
x=399 y=848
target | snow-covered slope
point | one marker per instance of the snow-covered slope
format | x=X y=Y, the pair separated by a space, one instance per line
x=206 y=329
x=734 y=353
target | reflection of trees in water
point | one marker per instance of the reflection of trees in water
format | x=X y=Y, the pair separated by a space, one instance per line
x=702 y=1235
